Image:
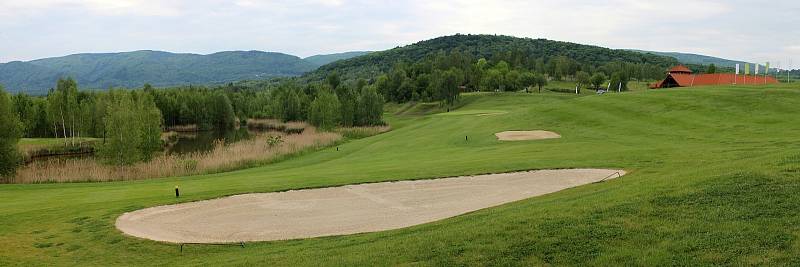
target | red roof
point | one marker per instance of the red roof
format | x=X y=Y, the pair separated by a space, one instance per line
x=689 y=80
x=680 y=69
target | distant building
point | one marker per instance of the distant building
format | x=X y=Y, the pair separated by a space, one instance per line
x=681 y=76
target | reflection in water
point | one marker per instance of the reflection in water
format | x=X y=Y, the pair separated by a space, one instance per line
x=189 y=142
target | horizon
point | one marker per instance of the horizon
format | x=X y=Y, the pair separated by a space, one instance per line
x=313 y=27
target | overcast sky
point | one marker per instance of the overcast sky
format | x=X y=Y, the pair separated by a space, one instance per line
x=754 y=31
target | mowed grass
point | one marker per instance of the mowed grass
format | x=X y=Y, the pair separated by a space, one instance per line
x=714 y=177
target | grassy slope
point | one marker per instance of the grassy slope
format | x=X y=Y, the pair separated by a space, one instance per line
x=713 y=180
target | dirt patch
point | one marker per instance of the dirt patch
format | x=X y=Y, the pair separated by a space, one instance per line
x=526 y=135
x=345 y=209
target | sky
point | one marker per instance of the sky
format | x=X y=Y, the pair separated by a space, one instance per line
x=754 y=31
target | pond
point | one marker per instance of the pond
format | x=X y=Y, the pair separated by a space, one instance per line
x=185 y=143
x=190 y=142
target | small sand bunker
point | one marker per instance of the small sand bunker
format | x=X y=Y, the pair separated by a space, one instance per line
x=345 y=209
x=526 y=135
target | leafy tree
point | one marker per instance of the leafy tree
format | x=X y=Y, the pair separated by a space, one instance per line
x=27 y=112
x=324 y=111
x=133 y=128
x=619 y=80
x=527 y=79
x=224 y=116
x=348 y=99
x=123 y=131
x=512 y=80
x=370 y=107
x=582 y=78
x=540 y=81
x=598 y=79
x=9 y=135
x=63 y=107
x=449 y=86
x=333 y=80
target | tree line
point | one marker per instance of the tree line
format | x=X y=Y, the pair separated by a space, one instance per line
x=441 y=77
x=130 y=122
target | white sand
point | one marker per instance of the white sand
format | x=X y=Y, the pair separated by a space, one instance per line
x=345 y=209
x=525 y=135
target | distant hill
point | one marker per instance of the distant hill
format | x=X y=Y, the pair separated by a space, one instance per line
x=483 y=46
x=319 y=60
x=134 y=69
x=687 y=58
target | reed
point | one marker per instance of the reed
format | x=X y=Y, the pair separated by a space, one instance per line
x=224 y=157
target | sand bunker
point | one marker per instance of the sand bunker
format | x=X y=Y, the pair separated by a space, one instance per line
x=525 y=135
x=345 y=209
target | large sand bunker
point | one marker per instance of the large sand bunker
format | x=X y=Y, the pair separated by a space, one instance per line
x=525 y=135
x=345 y=209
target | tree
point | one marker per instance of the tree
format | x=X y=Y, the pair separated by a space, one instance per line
x=224 y=117
x=9 y=135
x=333 y=80
x=348 y=99
x=540 y=81
x=27 y=112
x=324 y=111
x=448 y=85
x=582 y=78
x=598 y=79
x=370 y=107
x=527 y=80
x=619 y=80
x=711 y=69
x=133 y=128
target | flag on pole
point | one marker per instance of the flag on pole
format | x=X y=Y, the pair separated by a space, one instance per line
x=737 y=69
x=757 y=69
x=766 y=68
x=746 y=68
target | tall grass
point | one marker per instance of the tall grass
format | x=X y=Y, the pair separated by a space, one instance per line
x=223 y=157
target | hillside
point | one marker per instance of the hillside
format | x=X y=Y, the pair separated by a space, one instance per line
x=485 y=46
x=319 y=60
x=688 y=58
x=134 y=69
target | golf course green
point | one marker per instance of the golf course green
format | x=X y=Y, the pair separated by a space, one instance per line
x=713 y=176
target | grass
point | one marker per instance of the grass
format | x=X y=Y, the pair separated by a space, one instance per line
x=714 y=177
x=29 y=145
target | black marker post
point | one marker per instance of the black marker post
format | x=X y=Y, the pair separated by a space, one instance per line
x=177 y=193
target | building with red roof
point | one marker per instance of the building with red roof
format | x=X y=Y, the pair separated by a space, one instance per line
x=681 y=76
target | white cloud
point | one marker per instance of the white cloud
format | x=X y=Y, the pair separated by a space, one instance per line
x=732 y=29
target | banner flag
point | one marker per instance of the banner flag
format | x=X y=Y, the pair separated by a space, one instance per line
x=766 y=69
x=737 y=68
x=746 y=68
x=757 y=69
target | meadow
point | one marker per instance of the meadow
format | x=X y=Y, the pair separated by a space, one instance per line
x=712 y=179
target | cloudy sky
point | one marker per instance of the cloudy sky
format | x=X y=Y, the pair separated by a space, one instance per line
x=746 y=30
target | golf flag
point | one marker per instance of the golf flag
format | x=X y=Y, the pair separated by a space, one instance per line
x=737 y=69
x=746 y=68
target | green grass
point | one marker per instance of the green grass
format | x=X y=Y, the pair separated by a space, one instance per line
x=714 y=177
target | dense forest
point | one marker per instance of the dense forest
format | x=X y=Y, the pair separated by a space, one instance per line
x=531 y=54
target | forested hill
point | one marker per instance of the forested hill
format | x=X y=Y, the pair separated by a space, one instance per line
x=687 y=58
x=134 y=69
x=524 y=52
x=320 y=60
